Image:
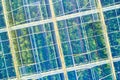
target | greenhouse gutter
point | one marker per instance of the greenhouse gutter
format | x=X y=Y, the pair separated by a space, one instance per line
x=61 y=55
x=11 y=41
x=26 y=25
x=68 y=16
x=104 y=29
x=84 y=66
x=77 y=67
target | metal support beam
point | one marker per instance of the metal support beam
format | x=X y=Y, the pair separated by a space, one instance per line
x=104 y=29
x=77 y=67
x=58 y=39
x=68 y=16
x=10 y=40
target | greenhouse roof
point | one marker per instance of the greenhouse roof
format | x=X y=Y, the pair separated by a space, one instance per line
x=60 y=39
